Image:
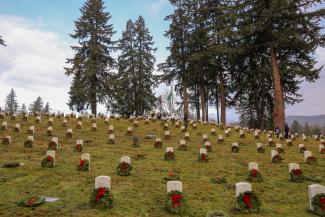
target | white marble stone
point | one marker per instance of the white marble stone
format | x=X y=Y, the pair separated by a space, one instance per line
x=111 y=128
x=274 y=153
x=182 y=142
x=79 y=142
x=242 y=187
x=234 y=144
x=158 y=139
x=321 y=147
x=30 y=138
x=94 y=125
x=187 y=135
x=301 y=146
x=259 y=145
x=168 y=149
x=293 y=166
x=126 y=159
x=252 y=165
x=174 y=186
x=69 y=130
x=167 y=133
x=207 y=144
x=103 y=182
x=85 y=156
x=56 y=140
x=111 y=137
x=203 y=151
x=313 y=190
x=307 y=154
x=278 y=145
x=32 y=129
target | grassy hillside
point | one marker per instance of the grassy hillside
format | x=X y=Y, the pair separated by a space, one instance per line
x=143 y=193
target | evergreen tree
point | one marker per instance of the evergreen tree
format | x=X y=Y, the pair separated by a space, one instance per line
x=316 y=130
x=134 y=95
x=23 y=109
x=92 y=64
x=307 y=129
x=36 y=106
x=296 y=127
x=11 y=103
x=47 y=108
x=288 y=33
x=2 y=42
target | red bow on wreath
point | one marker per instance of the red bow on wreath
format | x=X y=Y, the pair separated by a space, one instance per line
x=78 y=147
x=322 y=203
x=247 y=201
x=254 y=172
x=100 y=193
x=124 y=166
x=81 y=163
x=297 y=172
x=203 y=157
x=176 y=200
x=49 y=158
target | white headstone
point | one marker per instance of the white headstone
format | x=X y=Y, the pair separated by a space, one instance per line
x=69 y=130
x=321 y=147
x=50 y=128
x=293 y=166
x=242 y=187
x=94 y=125
x=52 y=154
x=252 y=165
x=168 y=149
x=79 y=142
x=30 y=138
x=234 y=145
x=301 y=146
x=17 y=126
x=259 y=145
x=307 y=154
x=174 y=186
x=111 y=128
x=182 y=142
x=278 y=145
x=313 y=190
x=158 y=139
x=32 y=129
x=274 y=153
x=187 y=135
x=85 y=156
x=167 y=133
x=126 y=159
x=56 y=140
x=220 y=137
x=203 y=151
x=103 y=182
x=111 y=137
x=130 y=129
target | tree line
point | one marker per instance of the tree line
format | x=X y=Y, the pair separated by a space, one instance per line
x=308 y=130
x=12 y=106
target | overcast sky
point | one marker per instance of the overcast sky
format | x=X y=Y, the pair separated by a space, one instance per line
x=37 y=35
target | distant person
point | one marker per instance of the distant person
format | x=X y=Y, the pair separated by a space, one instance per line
x=173 y=119
x=159 y=116
x=185 y=121
x=277 y=131
x=286 y=131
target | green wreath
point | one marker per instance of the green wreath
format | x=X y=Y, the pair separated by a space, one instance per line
x=124 y=169
x=158 y=144
x=83 y=166
x=280 y=150
x=105 y=202
x=254 y=176
x=203 y=157
x=28 y=143
x=318 y=206
x=276 y=159
x=311 y=160
x=183 y=147
x=234 y=149
x=78 y=148
x=31 y=201
x=172 y=176
x=261 y=150
x=48 y=162
x=254 y=206
x=52 y=146
x=302 y=149
x=175 y=202
x=5 y=141
x=169 y=156
x=296 y=175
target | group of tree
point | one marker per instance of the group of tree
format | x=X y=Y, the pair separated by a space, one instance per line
x=125 y=85
x=308 y=130
x=251 y=55
x=247 y=54
x=12 y=106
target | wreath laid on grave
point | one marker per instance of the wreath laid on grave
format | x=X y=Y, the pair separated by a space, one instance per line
x=158 y=144
x=52 y=145
x=124 y=169
x=318 y=203
x=49 y=132
x=276 y=159
x=322 y=151
x=220 y=140
x=254 y=175
x=28 y=143
x=135 y=142
x=203 y=157
x=101 y=198
x=5 y=141
x=175 y=202
x=303 y=149
x=83 y=165
x=271 y=143
x=261 y=149
x=172 y=176
x=311 y=160
x=234 y=149
x=208 y=148
x=68 y=135
x=48 y=162
x=78 y=148
x=31 y=201
x=183 y=147
x=78 y=126
x=280 y=150
x=248 y=202
x=169 y=156
x=290 y=143
x=17 y=129
x=296 y=175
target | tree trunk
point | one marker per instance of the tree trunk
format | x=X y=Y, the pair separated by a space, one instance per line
x=185 y=102
x=278 y=114
x=222 y=100
x=93 y=106
x=217 y=103
x=202 y=96
x=197 y=103
x=206 y=109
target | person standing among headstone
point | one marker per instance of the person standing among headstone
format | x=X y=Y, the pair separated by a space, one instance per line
x=159 y=116
x=173 y=119
x=286 y=130
x=277 y=131
x=185 y=121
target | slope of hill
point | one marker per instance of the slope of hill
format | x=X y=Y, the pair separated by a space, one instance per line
x=311 y=120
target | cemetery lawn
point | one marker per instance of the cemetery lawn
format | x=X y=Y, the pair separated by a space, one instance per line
x=143 y=192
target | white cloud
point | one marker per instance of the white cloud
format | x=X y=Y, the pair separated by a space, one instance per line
x=157 y=6
x=33 y=61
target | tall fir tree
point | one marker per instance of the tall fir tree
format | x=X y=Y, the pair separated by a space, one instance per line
x=2 y=42
x=36 y=106
x=296 y=127
x=11 y=103
x=134 y=95
x=288 y=33
x=92 y=64
x=47 y=108
x=23 y=109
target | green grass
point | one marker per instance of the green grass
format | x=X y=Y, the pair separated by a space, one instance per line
x=143 y=193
